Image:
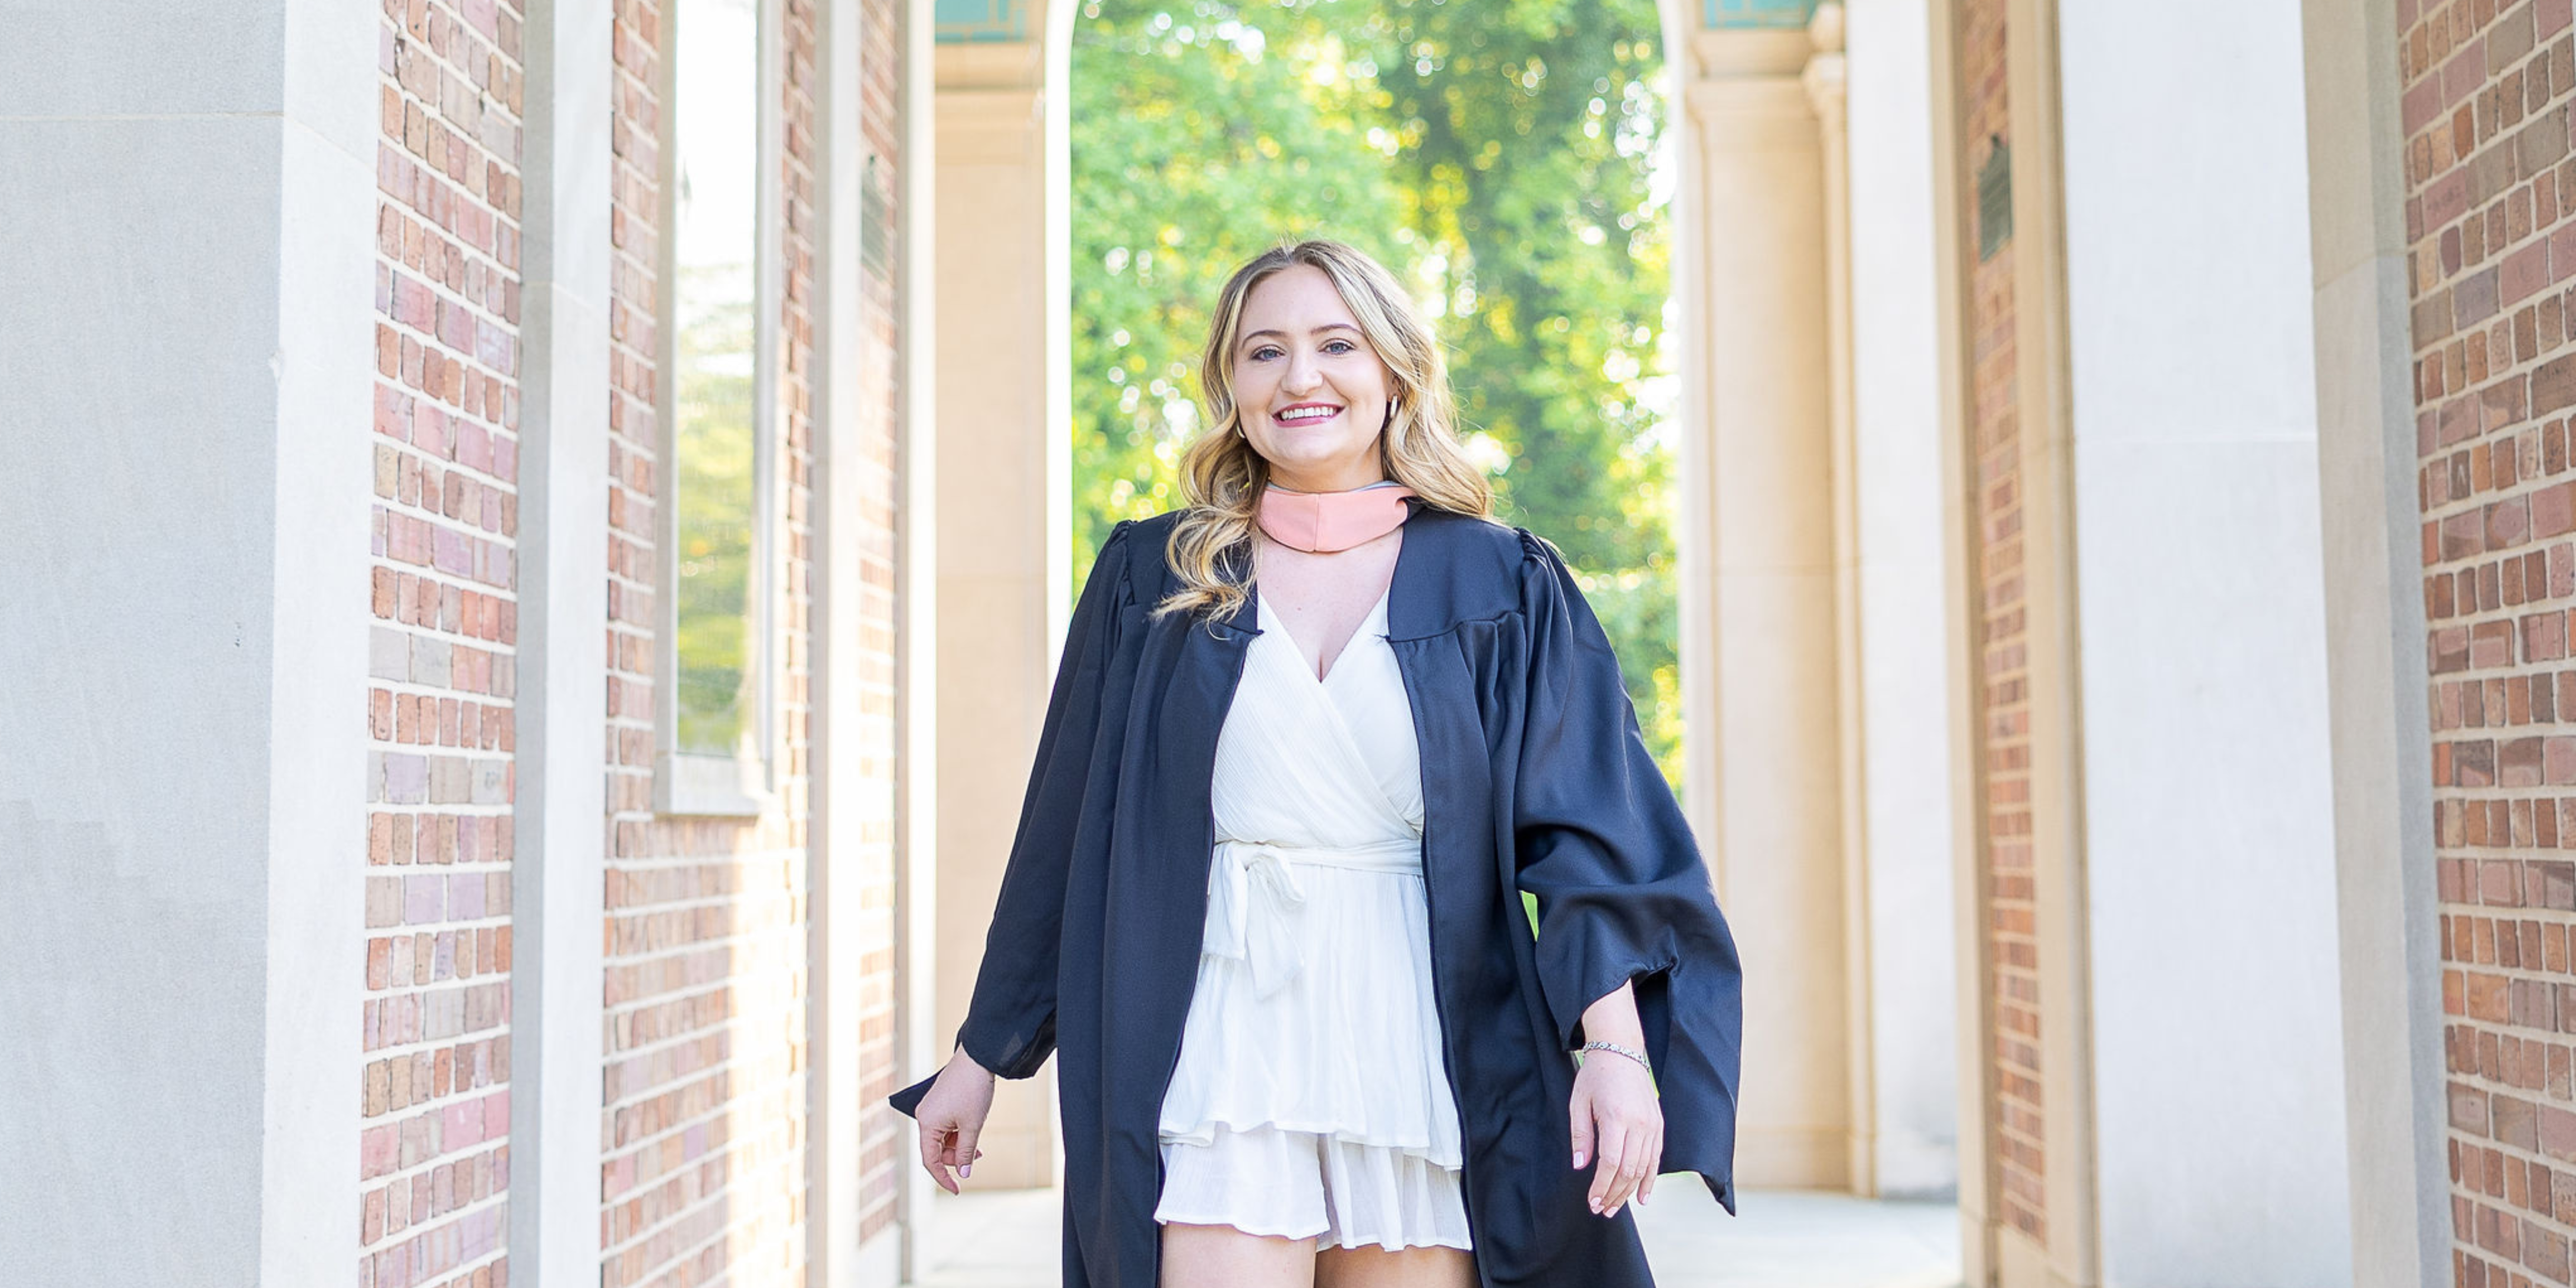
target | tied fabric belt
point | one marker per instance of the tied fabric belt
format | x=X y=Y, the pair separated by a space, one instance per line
x=1256 y=907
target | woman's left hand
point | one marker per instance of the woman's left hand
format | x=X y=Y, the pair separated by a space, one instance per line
x=1615 y=1111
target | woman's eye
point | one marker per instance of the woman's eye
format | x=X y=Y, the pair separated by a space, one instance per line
x=1265 y=353
x=1339 y=346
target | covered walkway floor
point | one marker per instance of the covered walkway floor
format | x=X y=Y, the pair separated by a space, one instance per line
x=1783 y=1239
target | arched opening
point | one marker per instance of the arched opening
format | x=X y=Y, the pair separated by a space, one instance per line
x=1079 y=325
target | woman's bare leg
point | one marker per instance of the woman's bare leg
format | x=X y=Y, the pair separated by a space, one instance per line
x=1220 y=1256
x=1373 y=1267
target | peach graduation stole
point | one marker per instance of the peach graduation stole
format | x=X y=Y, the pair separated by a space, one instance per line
x=1323 y=522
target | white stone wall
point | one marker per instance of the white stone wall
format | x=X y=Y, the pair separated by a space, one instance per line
x=2211 y=936
x=184 y=486
x=1913 y=981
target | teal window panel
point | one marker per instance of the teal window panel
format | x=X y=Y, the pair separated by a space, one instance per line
x=1759 y=13
x=968 y=20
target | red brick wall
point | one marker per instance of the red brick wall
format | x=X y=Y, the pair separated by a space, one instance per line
x=705 y=1081
x=2485 y=112
x=706 y=988
x=434 y=1156
x=2014 y=1124
x=865 y=529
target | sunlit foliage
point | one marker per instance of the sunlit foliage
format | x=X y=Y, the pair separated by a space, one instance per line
x=1500 y=155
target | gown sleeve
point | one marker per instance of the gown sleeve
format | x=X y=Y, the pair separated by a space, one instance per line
x=1622 y=891
x=1010 y=1021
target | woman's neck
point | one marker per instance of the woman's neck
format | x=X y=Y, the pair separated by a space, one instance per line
x=1344 y=480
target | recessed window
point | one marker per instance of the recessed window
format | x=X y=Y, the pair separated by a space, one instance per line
x=718 y=350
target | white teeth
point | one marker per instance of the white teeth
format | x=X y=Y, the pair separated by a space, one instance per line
x=1308 y=413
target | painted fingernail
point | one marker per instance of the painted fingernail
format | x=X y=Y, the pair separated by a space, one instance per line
x=1578 y=1158
x=967 y=1170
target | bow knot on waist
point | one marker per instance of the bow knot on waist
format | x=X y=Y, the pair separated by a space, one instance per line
x=1256 y=908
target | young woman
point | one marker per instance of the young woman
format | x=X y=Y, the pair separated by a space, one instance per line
x=1311 y=739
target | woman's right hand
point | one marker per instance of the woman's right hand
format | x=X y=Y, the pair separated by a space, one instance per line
x=951 y=1115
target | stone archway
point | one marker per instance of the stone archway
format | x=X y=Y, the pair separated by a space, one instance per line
x=1778 y=684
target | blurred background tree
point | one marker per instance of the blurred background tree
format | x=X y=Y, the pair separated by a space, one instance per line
x=714 y=459
x=1498 y=155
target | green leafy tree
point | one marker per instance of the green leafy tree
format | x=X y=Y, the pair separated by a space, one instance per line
x=1199 y=146
x=1529 y=130
x=1498 y=154
x=713 y=446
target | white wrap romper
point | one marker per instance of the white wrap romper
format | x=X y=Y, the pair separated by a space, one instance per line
x=1310 y=1098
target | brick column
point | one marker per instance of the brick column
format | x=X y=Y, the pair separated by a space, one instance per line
x=2488 y=202
x=2160 y=1046
x=444 y=703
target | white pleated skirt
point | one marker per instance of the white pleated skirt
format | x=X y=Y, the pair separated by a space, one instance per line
x=1311 y=1100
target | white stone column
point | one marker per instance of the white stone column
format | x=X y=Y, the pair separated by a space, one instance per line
x=1904 y=760
x=1770 y=718
x=557 y=880
x=1828 y=92
x=920 y=1044
x=1004 y=503
x=2395 y=1102
x=186 y=382
x=2209 y=881
x=845 y=809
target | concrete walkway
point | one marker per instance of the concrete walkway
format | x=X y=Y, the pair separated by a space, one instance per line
x=1783 y=1239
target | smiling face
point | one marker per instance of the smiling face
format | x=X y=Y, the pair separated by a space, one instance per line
x=1311 y=393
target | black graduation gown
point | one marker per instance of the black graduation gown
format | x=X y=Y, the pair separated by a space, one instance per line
x=1534 y=778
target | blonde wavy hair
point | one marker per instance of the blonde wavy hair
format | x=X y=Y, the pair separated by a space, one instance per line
x=1222 y=477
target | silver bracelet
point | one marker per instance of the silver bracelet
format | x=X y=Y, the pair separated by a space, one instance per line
x=1616 y=1049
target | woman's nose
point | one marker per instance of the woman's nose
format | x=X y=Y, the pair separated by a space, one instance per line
x=1302 y=374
